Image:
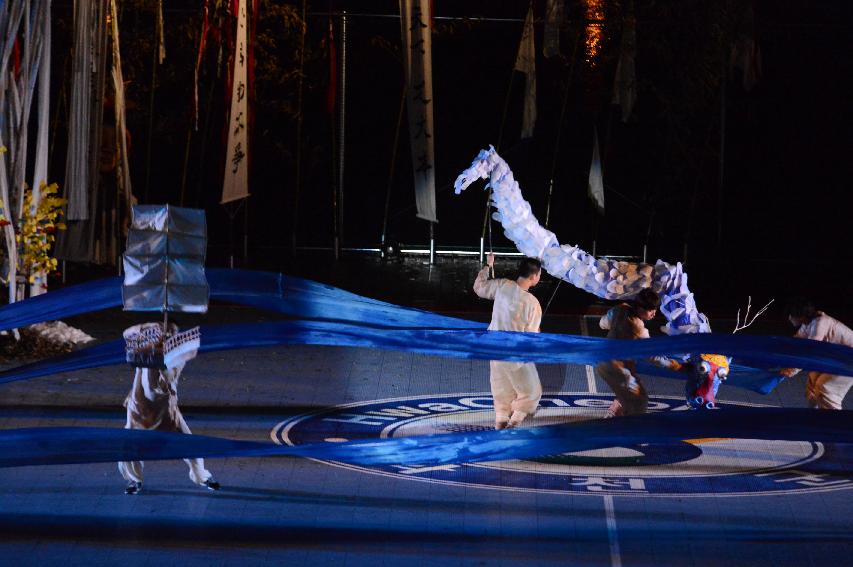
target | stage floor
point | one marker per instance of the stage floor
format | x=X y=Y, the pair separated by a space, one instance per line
x=704 y=502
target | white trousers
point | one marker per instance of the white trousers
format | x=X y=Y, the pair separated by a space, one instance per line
x=515 y=388
x=827 y=391
x=132 y=470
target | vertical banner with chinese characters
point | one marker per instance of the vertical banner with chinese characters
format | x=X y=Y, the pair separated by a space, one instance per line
x=417 y=59
x=236 y=183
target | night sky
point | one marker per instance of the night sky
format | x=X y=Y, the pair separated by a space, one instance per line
x=784 y=219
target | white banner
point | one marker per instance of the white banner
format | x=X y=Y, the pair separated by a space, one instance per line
x=417 y=58
x=596 y=179
x=236 y=183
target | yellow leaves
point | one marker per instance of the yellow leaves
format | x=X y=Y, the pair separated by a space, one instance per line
x=38 y=227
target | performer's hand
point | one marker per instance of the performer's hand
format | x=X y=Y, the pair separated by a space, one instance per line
x=666 y=362
x=788 y=372
x=490 y=260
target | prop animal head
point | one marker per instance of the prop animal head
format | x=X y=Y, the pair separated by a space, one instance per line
x=705 y=373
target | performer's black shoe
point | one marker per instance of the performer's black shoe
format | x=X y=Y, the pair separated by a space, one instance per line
x=133 y=488
x=211 y=484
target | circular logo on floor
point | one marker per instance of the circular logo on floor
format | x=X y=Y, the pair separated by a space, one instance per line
x=694 y=467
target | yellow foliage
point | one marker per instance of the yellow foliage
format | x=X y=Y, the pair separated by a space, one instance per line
x=38 y=229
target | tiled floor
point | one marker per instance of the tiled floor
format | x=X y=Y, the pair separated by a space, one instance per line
x=723 y=510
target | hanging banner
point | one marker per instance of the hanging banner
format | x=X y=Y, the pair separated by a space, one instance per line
x=525 y=62
x=554 y=16
x=77 y=167
x=417 y=59
x=161 y=45
x=236 y=183
x=595 y=188
x=625 y=83
x=123 y=173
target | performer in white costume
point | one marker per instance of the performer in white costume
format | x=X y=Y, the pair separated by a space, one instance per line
x=516 y=388
x=823 y=391
x=153 y=404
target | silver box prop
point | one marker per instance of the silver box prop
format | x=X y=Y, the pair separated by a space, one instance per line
x=164 y=260
x=164 y=272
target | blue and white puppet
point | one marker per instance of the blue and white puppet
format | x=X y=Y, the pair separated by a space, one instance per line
x=608 y=279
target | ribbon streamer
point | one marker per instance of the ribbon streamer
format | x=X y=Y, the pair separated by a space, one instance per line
x=762 y=352
x=269 y=291
x=54 y=446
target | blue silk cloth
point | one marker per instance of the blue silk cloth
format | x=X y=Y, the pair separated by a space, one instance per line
x=333 y=317
x=49 y=446
x=761 y=352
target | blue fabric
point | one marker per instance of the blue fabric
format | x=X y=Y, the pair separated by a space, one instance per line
x=383 y=325
x=762 y=352
x=294 y=297
x=47 y=446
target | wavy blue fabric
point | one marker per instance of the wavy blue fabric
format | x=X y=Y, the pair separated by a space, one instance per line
x=305 y=299
x=761 y=352
x=49 y=446
x=294 y=297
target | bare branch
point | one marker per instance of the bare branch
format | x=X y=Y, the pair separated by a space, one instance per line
x=746 y=320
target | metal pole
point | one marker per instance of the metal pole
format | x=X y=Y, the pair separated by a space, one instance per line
x=342 y=133
x=560 y=127
x=230 y=237
x=391 y=169
x=432 y=243
x=297 y=187
x=498 y=148
x=648 y=234
x=333 y=142
x=166 y=281
x=722 y=173
x=151 y=109
x=245 y=231
x=186 y=164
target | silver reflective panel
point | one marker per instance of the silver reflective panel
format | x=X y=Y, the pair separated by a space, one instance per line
x=164 y=260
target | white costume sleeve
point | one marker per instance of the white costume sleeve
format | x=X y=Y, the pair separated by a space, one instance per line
x=484 y=287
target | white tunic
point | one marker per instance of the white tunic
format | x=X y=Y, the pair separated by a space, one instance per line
x=515 y=309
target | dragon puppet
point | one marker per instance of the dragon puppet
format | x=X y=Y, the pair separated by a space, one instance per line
x=608 y=279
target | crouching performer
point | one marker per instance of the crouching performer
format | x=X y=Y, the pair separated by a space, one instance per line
x=152 y=403
x=516 y=388
x=627 y=321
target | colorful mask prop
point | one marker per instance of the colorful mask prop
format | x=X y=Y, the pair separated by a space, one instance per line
x=705 y=374
x=164 y=272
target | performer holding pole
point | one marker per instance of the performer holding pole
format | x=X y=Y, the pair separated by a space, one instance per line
x=823 y=391
x=516 y=388
x=153 y=399
x=163 y=272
